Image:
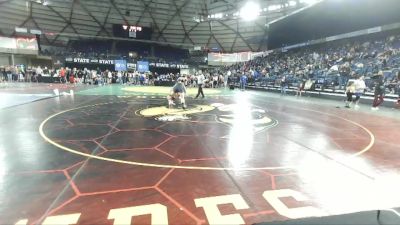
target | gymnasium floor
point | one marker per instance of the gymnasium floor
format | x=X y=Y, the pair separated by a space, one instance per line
x=116 y=155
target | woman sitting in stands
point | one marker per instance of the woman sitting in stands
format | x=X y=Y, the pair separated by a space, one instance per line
x=178 y=91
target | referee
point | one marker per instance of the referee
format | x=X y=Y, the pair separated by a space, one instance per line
x=200 y=83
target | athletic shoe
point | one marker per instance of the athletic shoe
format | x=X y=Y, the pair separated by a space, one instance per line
x=183 y=106
x=356 y=106
x=347 y=106
x=374 y=108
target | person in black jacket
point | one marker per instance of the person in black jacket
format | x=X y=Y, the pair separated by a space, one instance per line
x=3 y=74
x=379 y=91
x=85 y=75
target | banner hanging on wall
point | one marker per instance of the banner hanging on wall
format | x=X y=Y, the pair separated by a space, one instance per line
x=168 y=65
x=123 y=65
x=90 y=61
x=142 y=66
x=120 y=65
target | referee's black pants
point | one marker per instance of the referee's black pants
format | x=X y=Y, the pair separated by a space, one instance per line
x=200 y=91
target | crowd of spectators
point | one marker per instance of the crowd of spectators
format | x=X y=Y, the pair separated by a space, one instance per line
x=99 y=77
x=328 y=66
x=104 y=77
x=22 y=74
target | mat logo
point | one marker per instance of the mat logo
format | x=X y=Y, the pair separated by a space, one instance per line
x=244 y=117
x=159 y=213
x=251 y=117
x=169 y=118
x=161 y=111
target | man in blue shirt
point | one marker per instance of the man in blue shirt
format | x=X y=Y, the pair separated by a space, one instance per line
x=243 y=82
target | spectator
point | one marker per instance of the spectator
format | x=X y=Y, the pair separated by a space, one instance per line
x=243 y=82
x=359 y=90
x=284 y=85
x=379 y=91
x=350 y=90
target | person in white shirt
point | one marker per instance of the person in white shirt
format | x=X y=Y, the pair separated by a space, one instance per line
x=39 y=71
x=119 y=75
x=359 y=89
x=94 y=76
x=109 y=77
x=228 y=74
x=200 y=83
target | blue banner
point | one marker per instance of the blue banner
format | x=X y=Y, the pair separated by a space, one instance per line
x=142 y=66
x=120 y=65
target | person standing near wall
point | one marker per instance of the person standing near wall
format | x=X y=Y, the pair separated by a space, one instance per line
x=94 y=77
x=300 y=88
x=359 y=90
x=62 y=75
x=3 y=75
x=9 y=74
x=397 y=87
x=284 y=85
x=227 y=75
x=243 y=81
x=119 y=75
x=85 y=74
x=379 y=91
